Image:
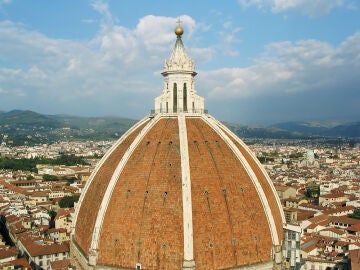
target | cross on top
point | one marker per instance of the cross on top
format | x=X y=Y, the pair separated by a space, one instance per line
x=179 y=21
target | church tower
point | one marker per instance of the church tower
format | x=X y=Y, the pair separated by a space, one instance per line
x=179 y=94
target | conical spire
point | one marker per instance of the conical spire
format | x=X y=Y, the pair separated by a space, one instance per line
x=179 y=94
x=179 y=59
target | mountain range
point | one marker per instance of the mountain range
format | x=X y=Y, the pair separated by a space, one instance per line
x=33 y=127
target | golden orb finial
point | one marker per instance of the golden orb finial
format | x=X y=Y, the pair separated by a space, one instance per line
x=179 y=30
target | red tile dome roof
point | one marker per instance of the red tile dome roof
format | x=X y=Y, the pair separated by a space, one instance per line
x=133 y=203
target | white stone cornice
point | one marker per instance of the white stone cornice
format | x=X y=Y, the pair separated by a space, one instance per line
x=188 y=262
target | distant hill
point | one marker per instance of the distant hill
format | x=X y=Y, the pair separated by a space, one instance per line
x=246 y=131
x=18 y=127
x=107 y=122
x=333 y=129
x=27 y=127
x=24 y=121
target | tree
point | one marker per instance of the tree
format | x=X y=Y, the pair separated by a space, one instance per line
x=68 y=201
x=25 y=164
x=356 y=213
x=52 y=214
x=49 y=177
x=296 y=155
x=313 y=191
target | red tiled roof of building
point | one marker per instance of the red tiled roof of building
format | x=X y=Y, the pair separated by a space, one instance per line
x=74 y=189
x=341 y=243
x=44 y=204
x=339 y=209
x=11 y=187
x=309 y=246
x=281 y=188
x=354 y=228
x=334 y=230
x=11 y=218
x=8 y=251
x=64 y=212
x=38 y=194
x=333 y=195
x=305 y=214
x=319 y=219
x=60 y=265
x=43 y=247
x=20 y=263
x=60 y=230
x=312 y=206
x=344 y=220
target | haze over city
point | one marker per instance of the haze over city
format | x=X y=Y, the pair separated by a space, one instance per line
x=258 y=61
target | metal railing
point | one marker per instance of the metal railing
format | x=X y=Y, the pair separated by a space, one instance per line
x=196 y=111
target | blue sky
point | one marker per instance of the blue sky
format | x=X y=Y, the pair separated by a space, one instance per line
x=258 y=61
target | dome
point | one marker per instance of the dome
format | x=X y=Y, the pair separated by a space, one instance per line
x=178 y=190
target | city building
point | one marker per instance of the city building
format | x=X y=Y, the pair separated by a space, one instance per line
x=41 y=252
x=178 y=190
x=291 y=246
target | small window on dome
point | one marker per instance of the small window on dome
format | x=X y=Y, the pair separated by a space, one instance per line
x=138 y=266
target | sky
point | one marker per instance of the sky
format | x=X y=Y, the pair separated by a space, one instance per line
x=259 y=62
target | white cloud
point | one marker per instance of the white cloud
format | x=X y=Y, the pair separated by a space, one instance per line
x=88 y=21
x=202 y=55
x=288 y=67
x=304 y=80
x=312 y=8
x=3 y=2
x=229 y=39
x=117 y=64
x=300 y=80
x=103 y=8
x=227 y=24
